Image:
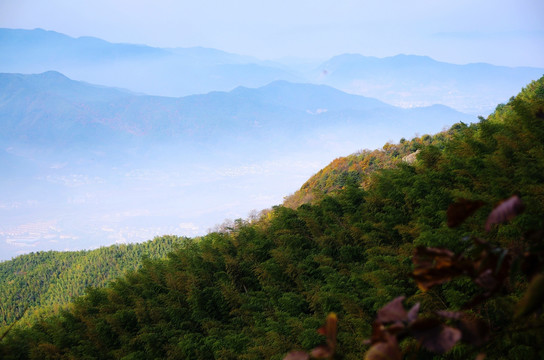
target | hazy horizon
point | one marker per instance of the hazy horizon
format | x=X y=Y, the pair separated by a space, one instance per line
x=134 y=201
x=458 y=32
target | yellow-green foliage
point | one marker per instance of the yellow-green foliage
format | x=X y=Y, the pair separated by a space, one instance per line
x=41 y=283
x=357 y=168
x=263 y=288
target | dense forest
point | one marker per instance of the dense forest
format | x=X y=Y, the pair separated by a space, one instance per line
x=38 y=284
x=345 y=254
x=356 y=169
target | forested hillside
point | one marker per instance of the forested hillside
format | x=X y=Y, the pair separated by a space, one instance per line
x=41 y=283
x=357 y=169
x=262 y=289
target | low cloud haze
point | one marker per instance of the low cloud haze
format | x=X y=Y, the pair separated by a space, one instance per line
x=247 y=101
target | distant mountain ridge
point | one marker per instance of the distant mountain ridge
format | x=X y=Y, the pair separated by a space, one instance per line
x=73 y=150
x=60 y=84
x=259 y=289
x=401 y=80
x=20 y=45
x=405 y=80
x=305 y=96
x=77 y=151
x=140 y=68
x=50 y=104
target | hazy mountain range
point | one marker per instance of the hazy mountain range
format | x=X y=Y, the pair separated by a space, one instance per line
x=87 y=165
x=110 y=158
x=49 y=108
x=167 y=72
x=260 y=288
x=401 y=80
x=420 y=81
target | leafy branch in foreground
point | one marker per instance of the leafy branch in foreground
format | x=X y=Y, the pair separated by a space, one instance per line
x=488 y=266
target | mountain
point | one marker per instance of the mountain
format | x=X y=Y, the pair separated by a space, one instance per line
x=410 y=80
x=51 y=107
x=306 y=97
x=21 y=47
x=87 y=165
x=431 y=234
x=40 y=283
x=401 y=80
x=140 y=68
x=357 y=169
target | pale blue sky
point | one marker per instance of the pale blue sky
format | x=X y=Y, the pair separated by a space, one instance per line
x=459 y=31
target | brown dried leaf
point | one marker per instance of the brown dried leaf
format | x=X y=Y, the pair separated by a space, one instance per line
x=413 y=313
x=434 y=335
x=491 y=270
x=421 y=327
x=428 y=255
x=474 y=331
x=331 y=330
x=454 y=315
x=505 y=211
x=392 y=312
x=385 y=350
x=322 y=330
x=322 y=352
x=396 y=328
x=459 y=211
x=487 y=280
x=434 y=266
x=442 y=341
x=378 y=334
x=297 y=355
